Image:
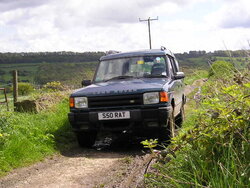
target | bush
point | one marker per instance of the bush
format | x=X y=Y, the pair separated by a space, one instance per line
x=53 y=86
x=25 y=88
x=219 y=69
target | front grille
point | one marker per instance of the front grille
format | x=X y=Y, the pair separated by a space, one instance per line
x=114 y=101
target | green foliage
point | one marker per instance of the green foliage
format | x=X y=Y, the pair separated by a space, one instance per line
x=152 y=143
x=25 y=88
x=220 y=69
x=53 y=86
x=213 y=149
x=26 y=137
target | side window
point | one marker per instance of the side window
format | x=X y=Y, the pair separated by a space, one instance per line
x=177 y=65
x=174 y=64
x=171 y=70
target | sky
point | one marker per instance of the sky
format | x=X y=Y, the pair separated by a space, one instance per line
x=102 y=25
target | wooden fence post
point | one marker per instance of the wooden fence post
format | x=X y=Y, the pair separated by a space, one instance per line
x=15 y=87
x=6 y=98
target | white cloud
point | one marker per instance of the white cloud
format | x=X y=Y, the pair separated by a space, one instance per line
x=7 y=5
x=232 y=14
x=81 y=25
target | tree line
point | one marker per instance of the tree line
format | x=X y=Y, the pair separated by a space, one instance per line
x=49 y=57
x=217 y=53
x=64 y=56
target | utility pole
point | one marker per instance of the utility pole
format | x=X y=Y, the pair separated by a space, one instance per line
x=149 y=32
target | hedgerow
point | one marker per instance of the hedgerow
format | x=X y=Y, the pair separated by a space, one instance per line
x=213 y=148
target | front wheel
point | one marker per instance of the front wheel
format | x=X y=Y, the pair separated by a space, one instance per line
x=86 y=139
x=167 y=133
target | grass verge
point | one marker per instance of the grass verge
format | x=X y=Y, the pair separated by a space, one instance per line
x=27 y=137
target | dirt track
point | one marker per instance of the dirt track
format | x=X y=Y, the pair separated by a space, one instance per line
x=102 y=166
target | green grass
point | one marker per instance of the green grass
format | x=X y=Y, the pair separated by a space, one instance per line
x=192 y=75
x=26 y=138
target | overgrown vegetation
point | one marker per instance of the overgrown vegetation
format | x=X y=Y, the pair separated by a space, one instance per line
x=53 y=86
x=26 y=137
x=25 y=88
x=213 y=148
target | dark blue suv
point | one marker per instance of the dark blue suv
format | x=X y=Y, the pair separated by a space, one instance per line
x=141 y=92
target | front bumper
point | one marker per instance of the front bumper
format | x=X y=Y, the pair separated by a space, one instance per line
x=140 y=119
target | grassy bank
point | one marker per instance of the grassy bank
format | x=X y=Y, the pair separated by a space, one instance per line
x=192 y=75
x=212 y=150
x=26 y=138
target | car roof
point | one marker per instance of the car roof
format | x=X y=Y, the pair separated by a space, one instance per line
x=137 y=54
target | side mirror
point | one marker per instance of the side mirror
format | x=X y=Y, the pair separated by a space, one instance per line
x=86 y=82
x=179 y=75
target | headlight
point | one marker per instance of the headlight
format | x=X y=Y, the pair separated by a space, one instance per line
x=81 y=102
x=151 y=98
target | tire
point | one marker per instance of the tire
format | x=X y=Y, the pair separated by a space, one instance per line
x=171 y=124
x=167 y=133
x=86 y=139
x=180 y=117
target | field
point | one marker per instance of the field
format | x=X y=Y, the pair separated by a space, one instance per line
x=41 y=73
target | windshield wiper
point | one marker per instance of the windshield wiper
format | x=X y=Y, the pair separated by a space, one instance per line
x=118 y=78
x=155 y=76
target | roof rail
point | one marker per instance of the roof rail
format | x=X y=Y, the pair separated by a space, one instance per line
x=112 y=52
x=163 y=48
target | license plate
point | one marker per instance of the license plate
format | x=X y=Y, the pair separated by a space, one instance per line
x=114 y=115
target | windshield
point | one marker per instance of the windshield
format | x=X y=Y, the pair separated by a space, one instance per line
x=147 y=66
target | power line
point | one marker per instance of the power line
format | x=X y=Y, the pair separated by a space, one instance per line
x=149 y=32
